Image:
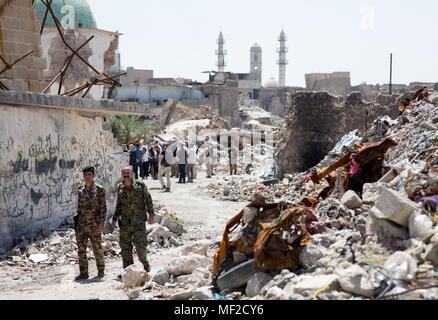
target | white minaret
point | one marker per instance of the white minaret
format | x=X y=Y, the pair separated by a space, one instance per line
x=220 y=52
x=282 y=62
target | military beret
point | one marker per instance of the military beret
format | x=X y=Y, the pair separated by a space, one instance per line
x=88 y=169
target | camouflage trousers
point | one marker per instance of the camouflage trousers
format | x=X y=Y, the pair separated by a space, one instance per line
x=133 y=234
x=82 y=236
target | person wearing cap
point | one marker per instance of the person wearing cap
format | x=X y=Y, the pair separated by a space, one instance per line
x=89 y=223
x=133 y=204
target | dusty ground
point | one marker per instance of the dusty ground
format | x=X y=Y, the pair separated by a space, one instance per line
x=203 y=217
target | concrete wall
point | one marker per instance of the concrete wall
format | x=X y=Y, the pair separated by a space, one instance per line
x=42 y=152
x=154 y=93
x=19 y=34
x=136 y=75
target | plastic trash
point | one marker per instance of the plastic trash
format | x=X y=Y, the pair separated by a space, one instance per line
x=346 y=142
x=420 y=225
x=401 y=266
x=217 y=296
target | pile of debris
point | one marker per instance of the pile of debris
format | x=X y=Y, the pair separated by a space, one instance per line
x=59 y=247
x=187 y=276
x=258 y=118
x=177 y=119
x=360 y=225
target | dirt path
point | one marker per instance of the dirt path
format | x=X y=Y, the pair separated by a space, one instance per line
x=203 y=217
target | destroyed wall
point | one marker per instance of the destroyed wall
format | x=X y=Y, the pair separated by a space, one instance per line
x=19 y=34
x=224 y=100
x=336 y=83
x=99 y=52
x=274 y=100
x=43 y=148
x=315 y=121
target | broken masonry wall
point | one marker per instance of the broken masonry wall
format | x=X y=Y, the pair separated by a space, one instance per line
x=224 y=100
x=315 y=121
x=42 y=153
x=19 y=34
x=99 y=52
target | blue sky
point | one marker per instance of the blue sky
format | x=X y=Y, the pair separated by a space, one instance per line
x=177 y=38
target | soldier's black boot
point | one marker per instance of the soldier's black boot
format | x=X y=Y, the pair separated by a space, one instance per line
x=82 y=276
x=147 y=267
x=101 y=274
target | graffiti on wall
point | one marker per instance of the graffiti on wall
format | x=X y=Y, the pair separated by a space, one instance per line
x=39 y=178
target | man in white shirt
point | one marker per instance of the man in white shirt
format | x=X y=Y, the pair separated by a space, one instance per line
x=191 y=162
x=181 y=154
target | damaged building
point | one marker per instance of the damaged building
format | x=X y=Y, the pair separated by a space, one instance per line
x=315 y=121
x=79 y=23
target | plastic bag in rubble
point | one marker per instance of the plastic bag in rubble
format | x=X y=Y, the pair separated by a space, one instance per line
x=401 y=266
x=347 y=141
x=420 y=225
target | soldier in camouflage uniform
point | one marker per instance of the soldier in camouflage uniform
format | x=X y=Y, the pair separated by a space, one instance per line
x=89 y=223
x=133 y=199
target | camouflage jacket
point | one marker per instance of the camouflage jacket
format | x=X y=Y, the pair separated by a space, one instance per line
x=132 y=203
x=91 y=206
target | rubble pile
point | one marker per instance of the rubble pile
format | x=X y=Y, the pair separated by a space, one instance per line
x=256 y=117
x=362 y=224
x=58 y=247
x=177 y=119
x=187 y=276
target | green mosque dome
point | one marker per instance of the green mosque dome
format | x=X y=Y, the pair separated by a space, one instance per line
x=83 y=17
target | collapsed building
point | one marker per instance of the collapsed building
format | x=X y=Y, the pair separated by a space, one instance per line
x=361 y=225
x=315 y=121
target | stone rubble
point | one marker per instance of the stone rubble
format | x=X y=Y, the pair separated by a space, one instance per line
x=59 y=247
x=377 y=243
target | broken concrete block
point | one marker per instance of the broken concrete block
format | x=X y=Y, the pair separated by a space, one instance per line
x=190 y=278
x=395 y=207
x=275 y=293
x=355 y=280
x=173 y=242
x=432 y=250
x=389 y=176
x=199 y=247
x=351 y=200
x=311 y=254
x=159 y=234
x=237 y=276
x=38 y=258
x=56 y=240
x=311 y=283
x=172 y=225
x=64 y=250
x=161 y=278
x=134 y=276
x=203 y=293
x=256 y=283
x=33 y=249
x=401 y=266
x=184 y=295
x=420 y=225
x=187 y=264
x=371 y=192
x=389 y=233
